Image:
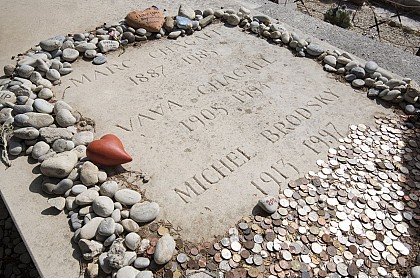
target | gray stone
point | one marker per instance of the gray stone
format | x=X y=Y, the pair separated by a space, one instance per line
x=144 y=212
x=26 y=133
x=141 y=262
x=371 y=66
x=314 y=49
x=7 y=97
x=48 y=185
x=351 y=65
x=109 y=240
x=174 y=34
x=233 y=19
x=145 y=274
x=130 y=225
x=50 y=45
x=219 y=13
x=25 y=71
x=132 y=241
x=99 y=60
x=391 y=95
x=59 y=105
x=329 y=68
x=409 y=109
x=90 y=54
x=129 y=258
x=90 y=248
x=61 y=145
x=104 y=263
x=415 y=272
x=116 y=215
x=37 y=120
x=330 y=60
x=285 y=37
x=263 y=19
x=84 y=46
x=63 y=186
x=108 y=45
x=269 y=204
x=40 y=149
x=109 y=188
x=52 y=75
x=164 y=249
x=106 y=227
x=127 y=272
x=60 y=165
x=350 y=77
x=359 y=72
x=80 y=151
x=82 y=138
x=65 y=118
x=15 y=146
x=127 y=197
x=45 y=93
x=78 y=188
x=89 y=173
x=206 y=20
x=358 y=83
x=50 y=134
x=70 y=54
x=186 y=11
x=9 y=69
x=43 y=106
x=89 y=230
x=79 y=37
x=116 y=253
x=86 y=197
x=103 y=206
x=141 y=32
x=64 y=71
x=59 y=203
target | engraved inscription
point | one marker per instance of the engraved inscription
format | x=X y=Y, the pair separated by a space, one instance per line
x=213 y=174
x=278 y=173
x=219 y=81
x=282 y=128
x=329 y=136
x=150 y=74
x=101 y=73
x=163 y=109
x=204 y=117
x=199 y=56
x=251 y=92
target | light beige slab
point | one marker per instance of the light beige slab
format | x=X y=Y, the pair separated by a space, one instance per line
x=217 y=120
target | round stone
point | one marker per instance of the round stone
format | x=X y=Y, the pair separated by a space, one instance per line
x=127 y=197
x=70 y=54
x=99 y=60
x=103 y=206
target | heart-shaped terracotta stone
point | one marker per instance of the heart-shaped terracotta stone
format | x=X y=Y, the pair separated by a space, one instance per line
x=151 y=19
x=107 y=151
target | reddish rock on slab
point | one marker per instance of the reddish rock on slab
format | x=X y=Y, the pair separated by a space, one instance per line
x=151 y=19
x=107 y=151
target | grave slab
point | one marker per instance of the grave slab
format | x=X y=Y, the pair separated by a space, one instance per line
x=217 y=119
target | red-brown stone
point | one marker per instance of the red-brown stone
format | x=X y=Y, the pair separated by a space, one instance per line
x=151 y=19
x=107 y=151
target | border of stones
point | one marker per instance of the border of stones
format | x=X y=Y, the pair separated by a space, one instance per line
x=31 y=89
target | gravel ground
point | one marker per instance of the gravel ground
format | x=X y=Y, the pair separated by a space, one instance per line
x=15 y=260
x=405 y=37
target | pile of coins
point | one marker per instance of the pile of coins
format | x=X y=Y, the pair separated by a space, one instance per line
x=357 y=216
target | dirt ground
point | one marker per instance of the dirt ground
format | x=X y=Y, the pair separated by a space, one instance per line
x=405 y=36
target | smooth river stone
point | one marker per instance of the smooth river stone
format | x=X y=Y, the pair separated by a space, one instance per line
x=60 y=165
x=37 y=120
x=127 y=197
x=132 y=241
x=108 y=45
x=269 y=204
x=86 y=197
x=164 y=250
x=108 y=151
x=106 y=227
x=144 y=212
x=151 y=19
x=89 y=230
x=89 y=174
x=127 y=272
x=103 y=206
x=7 y=96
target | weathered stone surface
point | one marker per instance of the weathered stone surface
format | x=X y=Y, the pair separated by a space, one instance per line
x=198 y=146
x=127 y=197
x=151 y=19
x=144 y=212
x=89 y=230
x=103 y=206
x=60 y=165
x=164 y=250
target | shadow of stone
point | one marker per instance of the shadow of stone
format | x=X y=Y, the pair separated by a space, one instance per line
x=257 y=210
x=50 y=211
x=37 y=169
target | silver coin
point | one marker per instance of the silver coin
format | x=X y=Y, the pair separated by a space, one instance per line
x=342 y=269
x=236 y=246
x=182 y=258
x=224 y=265
x=225 y=242
x=378 y=245
x=258 y=238
x=226 y=254
x=286 y=255
x=258 y=260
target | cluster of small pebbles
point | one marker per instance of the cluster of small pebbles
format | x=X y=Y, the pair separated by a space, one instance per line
x=354 y=217
x=15 y=260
